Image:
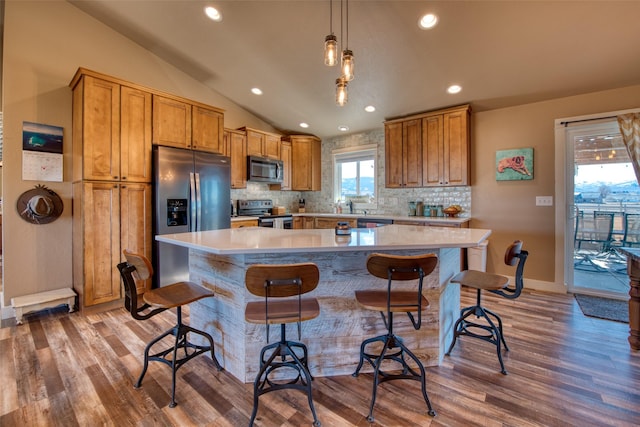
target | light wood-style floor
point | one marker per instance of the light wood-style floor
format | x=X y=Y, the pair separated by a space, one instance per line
x=565 y=369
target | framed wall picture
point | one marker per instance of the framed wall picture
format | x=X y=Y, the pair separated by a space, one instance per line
x=514 y=165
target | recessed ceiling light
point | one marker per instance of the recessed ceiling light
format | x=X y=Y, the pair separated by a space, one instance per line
x=256 y=91
x=304 y=125
x=213 y=13
x=454 y=89
x=343 y=128
x=428 y=21
x=369 y=108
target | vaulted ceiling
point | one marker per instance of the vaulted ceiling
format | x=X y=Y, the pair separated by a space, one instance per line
x=502 y=53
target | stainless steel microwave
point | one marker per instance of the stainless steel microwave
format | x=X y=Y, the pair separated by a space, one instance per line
x=264 y=170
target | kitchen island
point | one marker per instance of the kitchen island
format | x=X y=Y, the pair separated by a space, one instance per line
x=218 y=260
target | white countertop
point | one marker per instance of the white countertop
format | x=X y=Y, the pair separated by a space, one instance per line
x=270 y=240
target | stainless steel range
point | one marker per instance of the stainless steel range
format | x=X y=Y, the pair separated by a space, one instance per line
x=262 y=209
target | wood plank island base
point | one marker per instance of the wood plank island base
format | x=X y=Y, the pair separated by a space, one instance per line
x=218 y=260
x=633 y=270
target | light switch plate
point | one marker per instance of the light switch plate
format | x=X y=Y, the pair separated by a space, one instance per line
x=544 y=200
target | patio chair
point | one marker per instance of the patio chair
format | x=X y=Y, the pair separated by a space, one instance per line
x=596 y=231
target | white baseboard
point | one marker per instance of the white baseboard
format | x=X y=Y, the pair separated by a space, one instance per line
x=539 y=285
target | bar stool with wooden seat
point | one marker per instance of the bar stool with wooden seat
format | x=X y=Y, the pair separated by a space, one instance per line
x=282 y=287
x=156 y=301
x=395 y=268
x=490 y=329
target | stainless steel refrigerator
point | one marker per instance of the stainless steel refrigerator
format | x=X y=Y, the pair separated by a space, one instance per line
x=192 y=192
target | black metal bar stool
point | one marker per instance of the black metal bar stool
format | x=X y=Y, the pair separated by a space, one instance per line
x=490 y=329
x=282 y=287
x=395 y=268
x=176 y=295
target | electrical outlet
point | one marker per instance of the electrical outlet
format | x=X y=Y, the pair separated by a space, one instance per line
x=544 y=200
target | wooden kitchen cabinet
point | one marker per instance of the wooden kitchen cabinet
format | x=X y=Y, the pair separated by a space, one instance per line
x=429 y=149
x=244 y=223
x=263 y=144
x=111 y=131
x=308 y=222
x=445 y=141
x=403 y=154
x=171 y=122
x=208 y=130
x=107 y=217
x=236 y=142
x=184 y=124
x=306 y=162
x=331 y=222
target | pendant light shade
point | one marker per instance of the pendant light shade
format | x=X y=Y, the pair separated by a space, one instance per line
x=341 y=92
x=347 y=65
x=330 y=50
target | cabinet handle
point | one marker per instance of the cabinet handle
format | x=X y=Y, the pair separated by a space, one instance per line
x=124 y=177
x=115 y=177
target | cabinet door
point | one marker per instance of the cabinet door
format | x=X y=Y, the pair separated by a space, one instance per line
x=238 y=153
x=412 y=153
x=271 y=147
x=285 y=156
x=207 y=133
x=171 y=122
x=305 y=164
x=393 y=155
x=309 y=222
x=255 y=141
x=135 y=223
x=135 y=135
x=456 y=148
x=297 y=223
x=432 y=151
x=101 y=216
x=100 y=129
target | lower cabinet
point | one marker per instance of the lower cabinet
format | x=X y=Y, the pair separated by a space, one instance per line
x=107 y=217
x=331 y=222
x=244 y=223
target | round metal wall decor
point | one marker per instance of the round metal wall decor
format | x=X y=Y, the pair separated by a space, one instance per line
x=40 y=205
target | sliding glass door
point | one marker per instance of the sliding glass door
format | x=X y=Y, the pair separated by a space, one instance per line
x=605 y=196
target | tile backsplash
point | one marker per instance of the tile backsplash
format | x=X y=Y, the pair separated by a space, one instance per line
x=390 y=201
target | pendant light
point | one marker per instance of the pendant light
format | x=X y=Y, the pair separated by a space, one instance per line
x=330 y=42
x=341 y=91
x=347 y=54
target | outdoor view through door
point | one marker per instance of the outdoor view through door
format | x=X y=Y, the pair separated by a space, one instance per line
x=606 y=210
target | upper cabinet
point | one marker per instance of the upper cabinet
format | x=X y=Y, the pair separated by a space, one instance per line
x=403 y=154
x=111 y=131
x=184 y=124
x=429 y=149
x=262 y=144
x=208 y=130
x=306 y=162
x=236 y=143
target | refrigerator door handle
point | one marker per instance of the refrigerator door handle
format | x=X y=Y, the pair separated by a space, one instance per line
x=198 y=204
x=192 y=201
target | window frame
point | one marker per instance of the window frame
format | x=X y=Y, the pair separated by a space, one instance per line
x=361 y=152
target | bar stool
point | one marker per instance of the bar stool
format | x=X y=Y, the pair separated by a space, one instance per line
x=487 y=330
x=176 y=295
x=282 y=287
x=395 y=268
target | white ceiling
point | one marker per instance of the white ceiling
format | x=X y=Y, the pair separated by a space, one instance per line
x=502 y=53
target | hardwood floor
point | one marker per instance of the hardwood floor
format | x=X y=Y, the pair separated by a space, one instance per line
x=565 y=369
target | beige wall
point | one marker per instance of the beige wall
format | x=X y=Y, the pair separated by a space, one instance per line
x=508 y=207
x=38 y=66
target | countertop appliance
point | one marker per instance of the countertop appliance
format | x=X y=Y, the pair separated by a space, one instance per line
x=262 y=209
x=191 y=192
x=264 y=170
